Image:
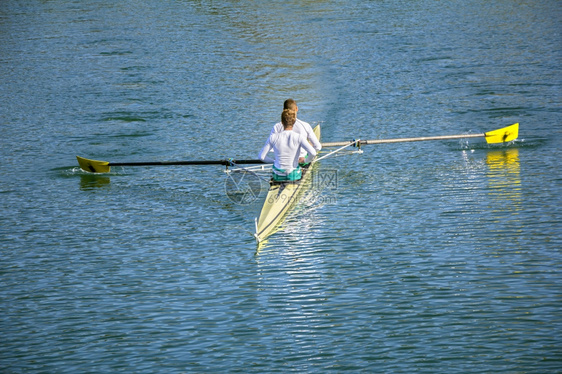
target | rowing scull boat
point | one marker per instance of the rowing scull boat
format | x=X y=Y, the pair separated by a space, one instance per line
x=282 y=196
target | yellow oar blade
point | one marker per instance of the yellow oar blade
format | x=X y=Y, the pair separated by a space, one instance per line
x=504 y=135
x=93 y=166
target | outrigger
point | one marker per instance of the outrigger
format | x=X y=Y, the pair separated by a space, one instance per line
x=281 y=196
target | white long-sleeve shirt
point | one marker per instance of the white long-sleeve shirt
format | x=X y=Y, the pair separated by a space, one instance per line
x=300 y=127
x=287 y=146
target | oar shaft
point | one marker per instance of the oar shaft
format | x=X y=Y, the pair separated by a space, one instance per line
x=401 y=140
x=203 y=162
x=96 y=166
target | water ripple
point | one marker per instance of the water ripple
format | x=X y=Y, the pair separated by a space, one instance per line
x=424 y=257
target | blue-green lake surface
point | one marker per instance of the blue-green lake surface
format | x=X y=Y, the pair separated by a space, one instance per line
x=429 y=257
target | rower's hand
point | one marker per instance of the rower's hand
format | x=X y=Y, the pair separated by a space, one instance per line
x=301 y=160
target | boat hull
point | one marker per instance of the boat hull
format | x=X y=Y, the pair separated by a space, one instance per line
x=279 y=200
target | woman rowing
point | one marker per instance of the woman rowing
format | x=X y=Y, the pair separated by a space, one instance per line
x=287 y=146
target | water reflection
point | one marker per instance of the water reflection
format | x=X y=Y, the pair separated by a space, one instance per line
x=91 y=181
x=504 y=182
x=504 y=174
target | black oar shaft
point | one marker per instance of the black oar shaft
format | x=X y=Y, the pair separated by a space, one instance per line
x=203 y=162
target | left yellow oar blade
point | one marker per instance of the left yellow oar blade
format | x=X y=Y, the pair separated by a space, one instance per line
x=93 y=166
x=504 y=135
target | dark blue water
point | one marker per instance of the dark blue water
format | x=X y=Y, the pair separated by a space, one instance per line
x=434 y=257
